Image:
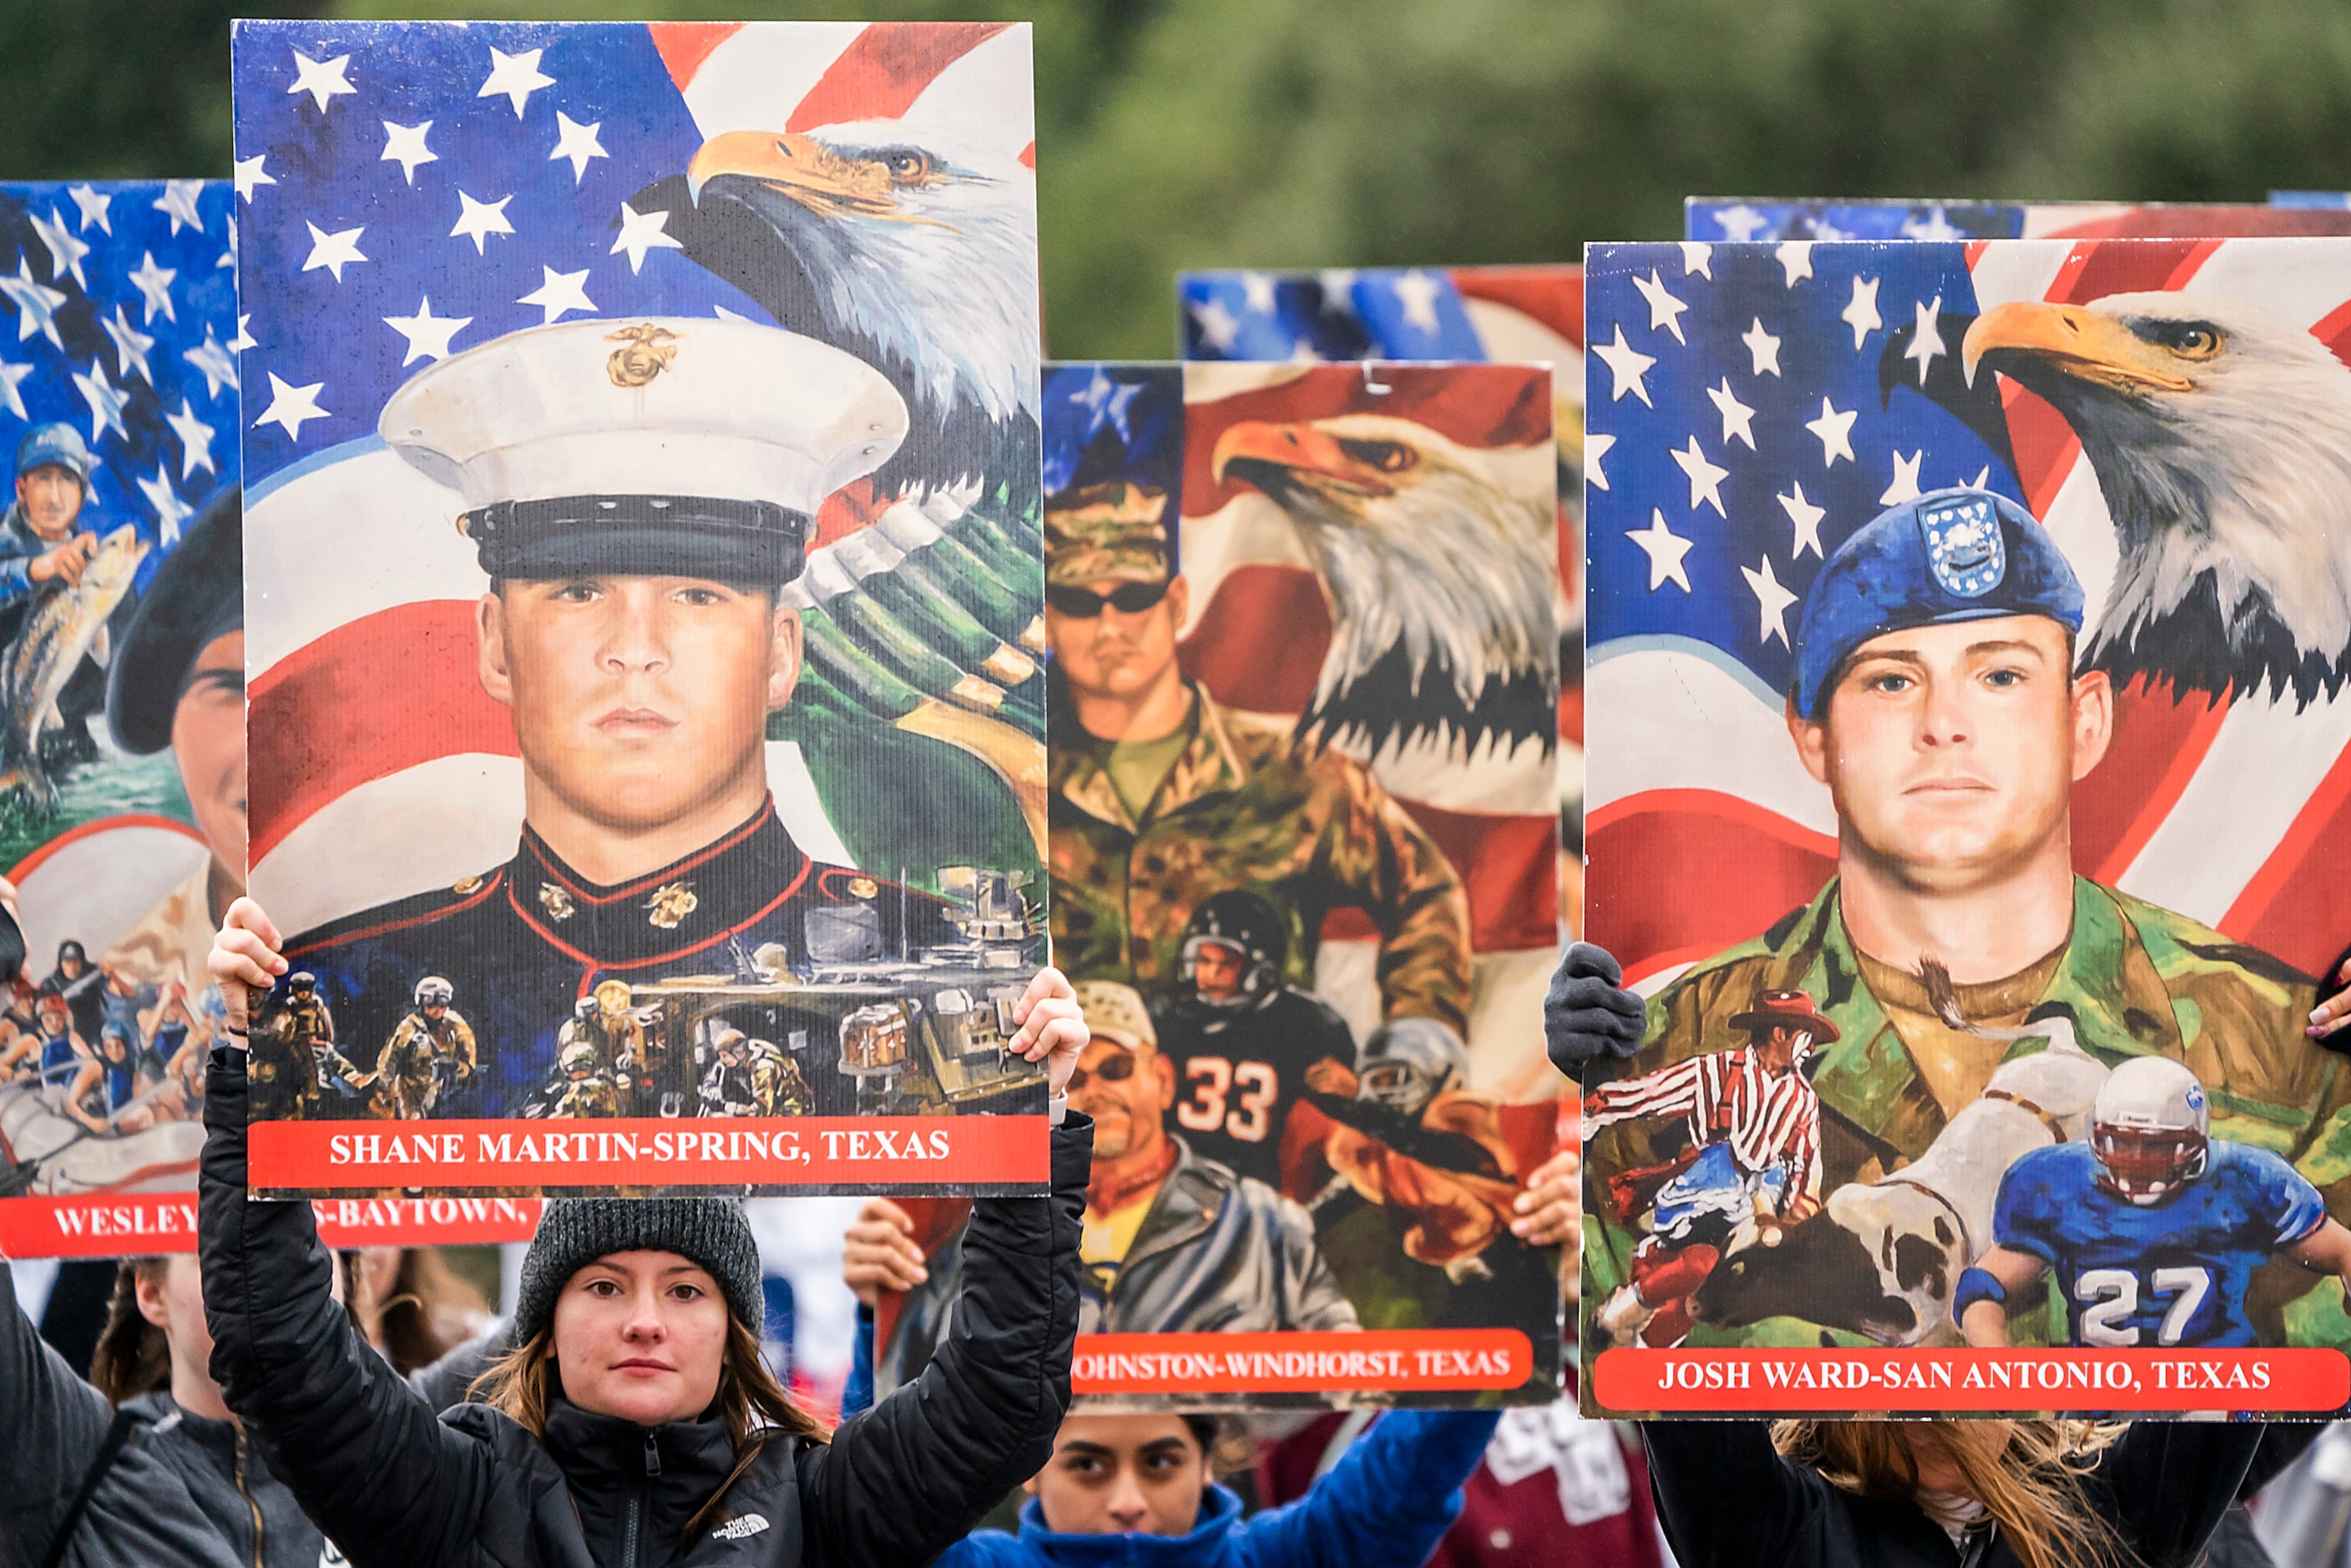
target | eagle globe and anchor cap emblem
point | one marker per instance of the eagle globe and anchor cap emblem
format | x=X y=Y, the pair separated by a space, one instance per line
x=646 y=351
x=1964 y=549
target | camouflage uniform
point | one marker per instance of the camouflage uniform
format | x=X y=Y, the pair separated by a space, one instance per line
x=422 y=1059
x=299 y=1070
x=589 y=1096
x=2140 y=980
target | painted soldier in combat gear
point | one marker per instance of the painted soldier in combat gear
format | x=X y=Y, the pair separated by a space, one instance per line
x=1165 y=798
x=579 y=1090
x=429 y=1058
x=317 y=1079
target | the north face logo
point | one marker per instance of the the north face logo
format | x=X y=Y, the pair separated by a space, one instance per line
x=741 y=1529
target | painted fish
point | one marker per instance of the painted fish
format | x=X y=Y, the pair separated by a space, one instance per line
x=66 y=625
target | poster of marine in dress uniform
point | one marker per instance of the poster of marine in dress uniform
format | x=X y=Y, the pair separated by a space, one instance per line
x=1302 y=855
x=643 y=550
x=1968 y=630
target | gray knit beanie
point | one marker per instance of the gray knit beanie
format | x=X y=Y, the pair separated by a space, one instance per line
x=573 y=1232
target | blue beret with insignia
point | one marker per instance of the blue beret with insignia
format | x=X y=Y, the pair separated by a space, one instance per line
x=1943 y=557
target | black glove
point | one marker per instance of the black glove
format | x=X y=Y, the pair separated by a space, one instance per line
x=1587 y=1014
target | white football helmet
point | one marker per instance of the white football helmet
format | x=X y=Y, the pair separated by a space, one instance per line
x=2150 y=1128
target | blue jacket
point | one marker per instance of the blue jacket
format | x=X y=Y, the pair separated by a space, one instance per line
x=1385 y=1505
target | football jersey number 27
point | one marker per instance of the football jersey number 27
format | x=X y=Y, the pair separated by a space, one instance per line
x=1251 y=1085
x=2111 y=1297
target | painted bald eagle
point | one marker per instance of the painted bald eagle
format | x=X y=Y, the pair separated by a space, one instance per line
x=2221 y=437
x=1439 y=578
x=916 y=256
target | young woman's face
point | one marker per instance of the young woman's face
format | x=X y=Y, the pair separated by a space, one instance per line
x=640 y=1335
x=1121 y=1475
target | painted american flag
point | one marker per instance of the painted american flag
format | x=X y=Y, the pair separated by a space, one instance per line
x=412 y=190
x=1748 y=220
x=1752 y=405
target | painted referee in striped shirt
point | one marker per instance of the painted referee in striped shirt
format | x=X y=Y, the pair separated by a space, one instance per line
x=1751 y=1166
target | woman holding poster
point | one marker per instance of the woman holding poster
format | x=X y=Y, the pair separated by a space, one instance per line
x=636 y=1406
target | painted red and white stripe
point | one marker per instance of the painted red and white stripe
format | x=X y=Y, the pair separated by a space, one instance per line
x=2229 y=813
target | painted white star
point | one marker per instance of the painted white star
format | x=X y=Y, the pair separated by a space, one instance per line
x=244 y=338
x=1823 y=228
x=250 y=176
x=1697 y=256
x=9 y=376
x=322 y=79
x=1216 y=325
x=515 y=75
x=558 y=292
x=291 y=406
x=404 y=145
x=1665 y=550
x=1741 y=222
x=1665 y=310
x=1807 y=518
x=1595 y=447
x=1764 y=347
x=724 y=314
x=478 y=220
x=131 y=346
x=37 y=303
x=1926 y=337
x=93 y=203
x=1983 y=477
x=428 y=335
x=228 y=256
x=1257 y=292
x=195 y=440
x=106 y=402
x=65 y=251
x=1861 y=315
x=577 y=143
x=169 y=510
x=332 y=251
x=179 y=201
x=1418 y=291
x=1627 y=364
x=1936 y=224
x=1338 y=289
x=1795 y=258
x=1906 y=479
x=641 y=231
x=1835 y=431
x=1774 y=599
x=1705 y=478
x=155 y=283
x=217 y=364
x=1738 y=419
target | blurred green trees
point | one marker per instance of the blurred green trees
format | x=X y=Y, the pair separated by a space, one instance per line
x=1301 y=132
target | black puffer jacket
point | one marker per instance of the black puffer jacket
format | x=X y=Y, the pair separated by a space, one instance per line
x=393 y=1486
x=1726 y=1499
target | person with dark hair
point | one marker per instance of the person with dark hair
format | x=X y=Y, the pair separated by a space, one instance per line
x=1149 y=1482
x=634 y=1419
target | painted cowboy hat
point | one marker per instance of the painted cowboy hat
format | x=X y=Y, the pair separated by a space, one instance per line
x=1786 y=1009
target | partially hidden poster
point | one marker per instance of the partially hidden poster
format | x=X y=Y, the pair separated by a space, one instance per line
x=1753 y=219
x=642 y=555
x=122 y=779
x=1968 y=630
x=1304 y=842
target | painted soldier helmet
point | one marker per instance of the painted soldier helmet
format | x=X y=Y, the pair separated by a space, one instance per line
x=433 y=991
x=302 y=981
x=1249 y=927
x=613 y=995
x=578 y=1056
x=2150 y=1128
x=584 y=1009
x=1409 y=1061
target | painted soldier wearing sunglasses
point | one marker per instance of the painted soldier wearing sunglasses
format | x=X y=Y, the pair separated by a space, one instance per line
x=1165 y=798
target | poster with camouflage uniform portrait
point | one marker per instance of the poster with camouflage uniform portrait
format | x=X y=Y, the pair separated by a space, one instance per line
x=1969 y=631
x=647 y=708
x=1302 y=802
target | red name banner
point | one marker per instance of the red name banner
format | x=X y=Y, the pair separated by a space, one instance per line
x=860 y=1153
x=138 y=1224
x=1960 y=1378
x=1301 y=1363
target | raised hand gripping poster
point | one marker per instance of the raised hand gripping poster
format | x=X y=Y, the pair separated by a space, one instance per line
x=1969 y=625
x=1461 y=314
x=644 y=575
x=122 y=779
x=1303 y=850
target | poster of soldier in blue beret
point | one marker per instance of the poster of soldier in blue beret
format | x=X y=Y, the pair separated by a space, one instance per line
x=643 y=545
x=1970 y=627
